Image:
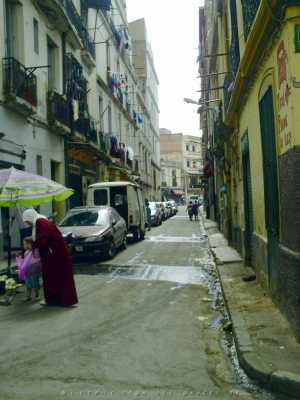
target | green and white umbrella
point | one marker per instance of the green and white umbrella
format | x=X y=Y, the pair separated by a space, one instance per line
x=22 y=188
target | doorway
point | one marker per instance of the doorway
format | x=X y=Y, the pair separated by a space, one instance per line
x=248 y=205
x=268 y=139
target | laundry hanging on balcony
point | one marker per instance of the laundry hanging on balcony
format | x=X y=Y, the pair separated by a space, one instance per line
x=104 y=5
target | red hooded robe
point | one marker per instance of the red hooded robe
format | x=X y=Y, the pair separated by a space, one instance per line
x=58 y=279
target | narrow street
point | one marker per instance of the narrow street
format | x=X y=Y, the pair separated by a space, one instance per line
x=148 y=326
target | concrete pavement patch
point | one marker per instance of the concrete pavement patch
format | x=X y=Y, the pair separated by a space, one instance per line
x=226 y=255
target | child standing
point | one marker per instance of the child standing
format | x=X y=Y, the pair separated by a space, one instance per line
x=29 y=269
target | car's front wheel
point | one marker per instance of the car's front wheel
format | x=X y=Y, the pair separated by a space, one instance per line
x=124 y=242
x=111 y=250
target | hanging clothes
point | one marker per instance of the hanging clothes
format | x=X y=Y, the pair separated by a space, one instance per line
x=114 y=146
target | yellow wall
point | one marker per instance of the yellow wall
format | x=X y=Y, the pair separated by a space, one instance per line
x=287 y=127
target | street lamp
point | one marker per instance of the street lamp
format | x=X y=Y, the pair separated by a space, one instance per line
x=190 y=101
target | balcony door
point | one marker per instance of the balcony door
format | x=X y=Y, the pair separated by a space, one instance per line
x=13 y=30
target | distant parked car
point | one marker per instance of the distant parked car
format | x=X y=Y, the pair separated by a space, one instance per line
x=156 y=214
x=94 y=231
x=174 y=207
x=167 y=208
x=163 y=211
x=170 y=207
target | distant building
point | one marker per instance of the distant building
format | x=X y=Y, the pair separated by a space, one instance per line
x=181 y=164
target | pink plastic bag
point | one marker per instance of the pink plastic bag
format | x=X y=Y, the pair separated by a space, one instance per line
x=28 y=266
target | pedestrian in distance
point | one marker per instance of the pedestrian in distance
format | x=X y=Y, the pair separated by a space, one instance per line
x=58 y=279
x=189 y=210
x=195 y=210
x=29 y=269
x=148 y=211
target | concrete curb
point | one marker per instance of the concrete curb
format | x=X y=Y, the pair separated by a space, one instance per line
x=283 y=382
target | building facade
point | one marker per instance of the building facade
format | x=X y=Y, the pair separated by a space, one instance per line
x=252 y=136
x=148 y=86
x=181 y=164
x=71 y=103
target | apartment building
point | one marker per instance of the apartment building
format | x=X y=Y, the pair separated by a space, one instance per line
x=71 y=107
x=181 y=164
x=249 y=57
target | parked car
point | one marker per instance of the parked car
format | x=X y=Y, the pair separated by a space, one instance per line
x=162 y=210
x=174 y=206
x=170 y=208
x=167 y=209
x=94 y=231
x=156 y=214
x=126 y=198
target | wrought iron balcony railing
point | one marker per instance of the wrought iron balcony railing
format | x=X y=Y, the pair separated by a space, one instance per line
x=80 y=28
x=228 y=86
x=250 y=8
x=234 y=45
x=19 y=81
x=58 y=109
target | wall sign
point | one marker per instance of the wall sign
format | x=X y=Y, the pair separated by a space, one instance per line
x=284 y=99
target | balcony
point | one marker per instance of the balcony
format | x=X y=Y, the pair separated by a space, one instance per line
x=250 y=8
x=86 y=127
x=20 y=87
x=58 y=111
x=62 y=13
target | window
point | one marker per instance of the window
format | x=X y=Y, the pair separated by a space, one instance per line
x=109 y=116
x=187 y=147
x=100 y=197
x=188 y=164
x=39 y=165
x=86 y=218
x=107 y=54
x=52 y=62
x=194 y=148
x=174 y=178
x=14 y=30
x=36 y=36
x=101 y=113
x=194 y=164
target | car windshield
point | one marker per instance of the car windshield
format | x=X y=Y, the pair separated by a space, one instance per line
x=86 y=218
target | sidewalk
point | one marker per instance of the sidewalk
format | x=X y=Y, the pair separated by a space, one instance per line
x=266 y=348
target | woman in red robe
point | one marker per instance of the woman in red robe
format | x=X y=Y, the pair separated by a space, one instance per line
x=58 y=279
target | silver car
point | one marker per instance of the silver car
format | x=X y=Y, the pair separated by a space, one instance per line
x=94 y=231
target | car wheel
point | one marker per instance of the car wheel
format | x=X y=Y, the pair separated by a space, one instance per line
x=136 y=235
x=111 y=251
x=124 y=242
x=142 y=234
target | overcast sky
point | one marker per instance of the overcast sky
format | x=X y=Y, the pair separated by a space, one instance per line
x=172 y=27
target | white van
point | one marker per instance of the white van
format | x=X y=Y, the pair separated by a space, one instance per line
x=126 y=198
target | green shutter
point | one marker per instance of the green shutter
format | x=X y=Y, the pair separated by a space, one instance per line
x=297 y=38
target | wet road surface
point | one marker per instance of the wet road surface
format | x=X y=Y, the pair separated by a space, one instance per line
x=148 y=326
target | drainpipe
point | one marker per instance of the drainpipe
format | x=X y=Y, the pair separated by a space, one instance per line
x=66 y=139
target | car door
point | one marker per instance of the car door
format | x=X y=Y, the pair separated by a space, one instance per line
x=118 y=228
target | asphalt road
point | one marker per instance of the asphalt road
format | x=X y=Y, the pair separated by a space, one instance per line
x=145 y=328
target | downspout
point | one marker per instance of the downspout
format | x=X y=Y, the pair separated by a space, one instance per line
x=66 y=138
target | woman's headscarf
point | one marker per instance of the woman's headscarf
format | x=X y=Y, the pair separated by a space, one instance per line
x=32 y=216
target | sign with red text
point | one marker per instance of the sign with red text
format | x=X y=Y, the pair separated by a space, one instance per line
x=284 y=99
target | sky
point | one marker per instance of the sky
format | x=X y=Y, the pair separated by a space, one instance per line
x=173 y=31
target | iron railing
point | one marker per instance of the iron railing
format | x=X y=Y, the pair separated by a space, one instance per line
x=250 y=8
x=80 y=28
x=234 y=46
x=58 y=108
x=19 y=81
